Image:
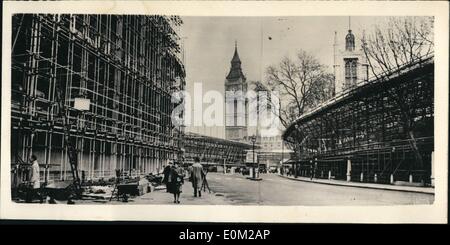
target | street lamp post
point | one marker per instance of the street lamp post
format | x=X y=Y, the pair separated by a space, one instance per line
x=253 y=139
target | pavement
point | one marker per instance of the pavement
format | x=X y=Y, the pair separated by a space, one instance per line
x=426 y=190
x=275 y=190
x=186 y=197
x=160 y=196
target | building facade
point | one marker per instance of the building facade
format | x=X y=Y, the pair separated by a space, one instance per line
x=123 y=68
x=273 y=150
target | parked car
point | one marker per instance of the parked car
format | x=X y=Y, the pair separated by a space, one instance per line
x=273 y=169
x=245 y=171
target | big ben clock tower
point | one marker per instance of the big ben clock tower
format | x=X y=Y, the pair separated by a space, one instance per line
x=236 y=116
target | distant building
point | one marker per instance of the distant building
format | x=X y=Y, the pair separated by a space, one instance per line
x=273 y=150
x=350 y=65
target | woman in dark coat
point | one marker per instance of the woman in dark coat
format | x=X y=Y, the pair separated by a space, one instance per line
x=175 y=181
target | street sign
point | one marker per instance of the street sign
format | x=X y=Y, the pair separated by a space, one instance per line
x=82 y=104
x=249 y=157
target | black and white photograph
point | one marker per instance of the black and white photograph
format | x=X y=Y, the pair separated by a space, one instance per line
x=176 y=110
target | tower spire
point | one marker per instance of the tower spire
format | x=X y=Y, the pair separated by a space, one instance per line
x=350 y=38
x=236 y=70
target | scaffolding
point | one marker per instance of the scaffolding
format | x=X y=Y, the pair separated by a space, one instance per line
x=215 y=151
x=126 y=66
x=370 y=128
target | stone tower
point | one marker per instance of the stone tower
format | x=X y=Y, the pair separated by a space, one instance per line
x=236 y=108
x=350 y=65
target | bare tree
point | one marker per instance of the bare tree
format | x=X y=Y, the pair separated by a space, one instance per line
x=302 y=84
x=401 y=42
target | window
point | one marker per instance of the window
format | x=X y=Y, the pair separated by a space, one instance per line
x=350 y=73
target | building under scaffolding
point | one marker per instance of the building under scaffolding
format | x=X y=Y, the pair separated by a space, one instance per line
x=124 y=67
x=215 y=151
x=381 y=131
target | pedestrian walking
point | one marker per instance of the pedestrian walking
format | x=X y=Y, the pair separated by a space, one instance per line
x=196 y=172
x=35 y=180
x=166 y=173
x=175 y=181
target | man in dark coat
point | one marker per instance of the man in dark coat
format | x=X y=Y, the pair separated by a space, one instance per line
x=196 y=176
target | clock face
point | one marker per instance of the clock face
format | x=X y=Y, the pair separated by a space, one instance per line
x=233 y=88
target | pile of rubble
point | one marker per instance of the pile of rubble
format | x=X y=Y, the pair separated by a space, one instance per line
x=122 y=187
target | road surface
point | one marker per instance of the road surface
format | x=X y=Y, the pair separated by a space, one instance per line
x=275 y=190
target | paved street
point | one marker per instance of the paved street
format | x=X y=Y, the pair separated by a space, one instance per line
x=275 y=190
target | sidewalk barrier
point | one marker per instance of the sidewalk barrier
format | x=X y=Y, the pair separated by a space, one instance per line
x=424 y=190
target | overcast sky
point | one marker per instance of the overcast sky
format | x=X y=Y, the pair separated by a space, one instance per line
x=262 y=41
